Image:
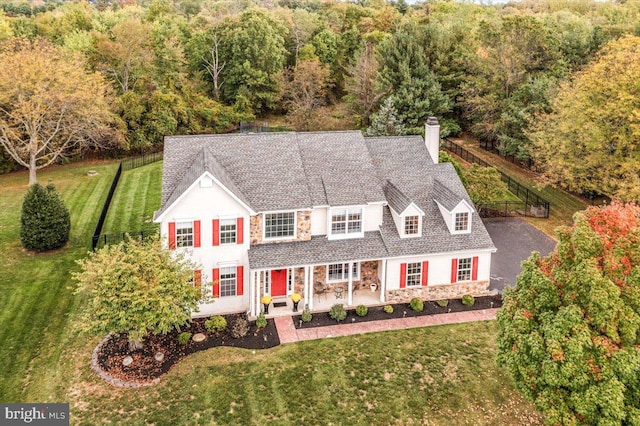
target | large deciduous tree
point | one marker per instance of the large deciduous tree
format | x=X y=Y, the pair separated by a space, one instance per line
x=590 y=142
x=305 y=91
x=569 y=332
x=137 y=287
x=50 y=107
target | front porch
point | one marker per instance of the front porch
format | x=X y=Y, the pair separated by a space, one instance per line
x=320 y=286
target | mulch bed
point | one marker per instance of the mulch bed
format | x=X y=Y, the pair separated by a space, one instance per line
x=145 y=367
x=400 y=310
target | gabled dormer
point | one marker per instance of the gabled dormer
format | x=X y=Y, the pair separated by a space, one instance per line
x=406 y=214
x=455 y=210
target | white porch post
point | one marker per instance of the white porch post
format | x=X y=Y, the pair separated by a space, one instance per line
x=252 y=292
x=306 y=285
x=259 y=281
x=310 y=280
x=350 y=286
x=383 y=281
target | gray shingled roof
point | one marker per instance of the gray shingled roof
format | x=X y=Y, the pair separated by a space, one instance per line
x=275 y=171
x=318 y=250
x=446 y=197
x=397 y=199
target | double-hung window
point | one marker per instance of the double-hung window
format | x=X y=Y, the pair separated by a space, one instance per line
x=280 y=225
x=228 y=281
x=464 y=269
x=462 y=221
x=184 y=234
x=340 y=271
x=228 y=231
x=411 y=225
x=346 y=221
x=414 y=274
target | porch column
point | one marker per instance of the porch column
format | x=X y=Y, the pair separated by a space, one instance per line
x=383 y=281
x=252 y=292
x=309 y=273
x=350 y=286
x=259 y=281
x=305 y=290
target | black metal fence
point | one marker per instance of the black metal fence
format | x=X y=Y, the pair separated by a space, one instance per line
x=127 y=164
x=532 y=204
x=107 y=239
x=256 y=127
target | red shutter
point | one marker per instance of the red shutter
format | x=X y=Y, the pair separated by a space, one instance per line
x=474 y=270
x=172 y=235
x=216 y=282
x=197 y=277
x=403 y=275
x=425 y=273
x=240 y=230
x=216 y=232
x=240 y=280
x=196 y=233
x=454 y=270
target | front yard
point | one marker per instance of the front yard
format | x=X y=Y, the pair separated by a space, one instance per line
x=440 y=375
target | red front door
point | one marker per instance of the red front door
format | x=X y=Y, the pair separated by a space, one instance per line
x=279 y=282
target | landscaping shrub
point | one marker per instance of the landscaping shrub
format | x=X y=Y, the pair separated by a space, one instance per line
x=45 y=221
x=239 y=328
x=468 y=300
x=184 y=337
x=362 y=310
x=306 y=314
x=337 y=312
x=443 y=302
x=261 y=321
x=416 y=304
x=215 y=324
x=388 y=309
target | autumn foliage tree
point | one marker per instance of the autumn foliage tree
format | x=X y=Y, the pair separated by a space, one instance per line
x=305 y=91
x=50 y=107
x=570 y=329
x=590 y=142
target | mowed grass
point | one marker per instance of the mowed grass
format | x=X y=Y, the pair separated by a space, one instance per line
x=563 y=204
x=36 y=292
x=135 y=200
x=437 y=375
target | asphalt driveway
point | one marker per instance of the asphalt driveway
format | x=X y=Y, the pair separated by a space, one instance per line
x=515 y=239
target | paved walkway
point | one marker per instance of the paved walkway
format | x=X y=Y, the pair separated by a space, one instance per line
x=288 y=333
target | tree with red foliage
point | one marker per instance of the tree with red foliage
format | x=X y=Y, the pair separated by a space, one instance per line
x=570 y=329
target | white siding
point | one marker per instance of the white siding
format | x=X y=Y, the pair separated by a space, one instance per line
x=372 y=217
x=319 y=221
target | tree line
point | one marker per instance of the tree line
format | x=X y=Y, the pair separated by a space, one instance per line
x=183 y=67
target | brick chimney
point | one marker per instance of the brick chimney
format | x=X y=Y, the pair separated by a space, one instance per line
x=432 y=138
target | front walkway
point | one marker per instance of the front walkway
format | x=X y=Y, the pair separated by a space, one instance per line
x=289 y=334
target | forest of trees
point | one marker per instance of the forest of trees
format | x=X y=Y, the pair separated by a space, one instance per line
x=189 y=66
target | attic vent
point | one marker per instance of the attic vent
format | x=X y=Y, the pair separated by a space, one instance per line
x=206 y=182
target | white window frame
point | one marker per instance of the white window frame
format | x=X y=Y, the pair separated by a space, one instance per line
x=468 y=269
x=455 y=222
x=418 y=225
x=414 y=274
x=345 y=272
x=350 y=210
x=185 y=224
x=221 y=233
x=225 y=270
x=295 y=226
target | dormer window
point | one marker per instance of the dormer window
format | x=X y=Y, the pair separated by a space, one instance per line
x=462 y=221
x=346 y=222
x=411 y=225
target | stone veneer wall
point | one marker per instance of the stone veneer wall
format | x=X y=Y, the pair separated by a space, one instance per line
x=303 y=228
x=368 y=274
x=438 y=292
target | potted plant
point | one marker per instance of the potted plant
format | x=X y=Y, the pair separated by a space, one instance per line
x=295 y=298
x=266 y=300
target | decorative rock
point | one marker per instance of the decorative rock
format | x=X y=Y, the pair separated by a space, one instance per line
x=92 y=173
x=127 y=361
x=199 y=337
x=159 y=356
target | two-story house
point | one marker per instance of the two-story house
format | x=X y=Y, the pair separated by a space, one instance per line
x=333 y=216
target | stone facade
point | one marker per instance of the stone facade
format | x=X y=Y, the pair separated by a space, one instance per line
x=303 y=225
x=438 y=292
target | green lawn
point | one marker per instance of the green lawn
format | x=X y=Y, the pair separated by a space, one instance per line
x=36 y=294
x=135 y=200
x=439 y=375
